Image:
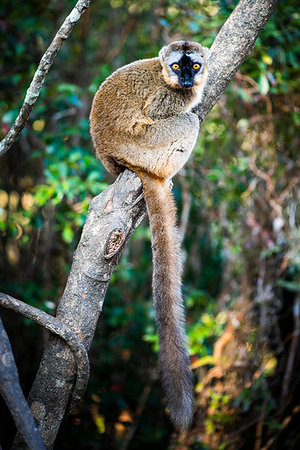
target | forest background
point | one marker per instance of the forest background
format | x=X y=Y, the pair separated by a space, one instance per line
x=238 y=217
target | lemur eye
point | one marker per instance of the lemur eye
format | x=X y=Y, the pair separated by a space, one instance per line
x=196 y=66
x=175 y=66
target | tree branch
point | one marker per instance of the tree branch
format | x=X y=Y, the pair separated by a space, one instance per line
x=12 y=393
x=232 y=46
x=43 y=68
x=57 y=327
x=112 y=217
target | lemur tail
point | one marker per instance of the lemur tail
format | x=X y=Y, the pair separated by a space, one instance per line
x=168 y=304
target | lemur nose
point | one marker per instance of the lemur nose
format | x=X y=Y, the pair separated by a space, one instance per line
x=188 y=83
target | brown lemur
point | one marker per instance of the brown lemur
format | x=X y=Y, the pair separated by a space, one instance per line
x=142 y=119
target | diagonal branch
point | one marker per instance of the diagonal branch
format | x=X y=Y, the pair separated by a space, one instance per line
x=113 y=216
x=43 y=68
x=232 y=46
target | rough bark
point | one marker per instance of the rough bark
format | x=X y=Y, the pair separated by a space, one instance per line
x=57 y=327
x=13 y=395
x=232 y=47
x=112 y=218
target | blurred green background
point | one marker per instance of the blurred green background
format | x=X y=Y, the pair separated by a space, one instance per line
x=238 y=216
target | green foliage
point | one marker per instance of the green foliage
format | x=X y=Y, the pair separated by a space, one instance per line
x=203 y=333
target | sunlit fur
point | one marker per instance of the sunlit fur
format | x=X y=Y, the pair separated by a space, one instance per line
x=142 y=119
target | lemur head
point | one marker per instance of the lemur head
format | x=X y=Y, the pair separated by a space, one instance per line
x=184 y=64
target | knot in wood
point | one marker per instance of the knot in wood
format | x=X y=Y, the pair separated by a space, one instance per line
x=114 y=242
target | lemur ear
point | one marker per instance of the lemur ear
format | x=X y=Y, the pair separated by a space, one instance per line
x=207 y=53
x=161 y=53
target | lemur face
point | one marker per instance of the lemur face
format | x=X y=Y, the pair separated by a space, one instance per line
x=186 y=69
x=183 y=64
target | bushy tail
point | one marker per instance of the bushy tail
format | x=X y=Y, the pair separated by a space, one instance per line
x=168 y=304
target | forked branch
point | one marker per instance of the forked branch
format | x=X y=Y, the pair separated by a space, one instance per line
x=60 y=329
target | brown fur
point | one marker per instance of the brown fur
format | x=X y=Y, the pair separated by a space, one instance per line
x=141 y=119
x=168 y=304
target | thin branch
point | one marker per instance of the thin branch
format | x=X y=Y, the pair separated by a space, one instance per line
x=286 y=385
x=259 y=427
x=284 y=423
x=186 y=208
x=57 y=327
x=13 y=395
x=43 y=68
x=140 y=408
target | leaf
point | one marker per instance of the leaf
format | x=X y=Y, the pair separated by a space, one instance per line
x=267 y=59
x=289 y=285
x=68 y=88
x=164 y=23
x=100 y=423
x=215 y=174
x=263 y=84
x=93 y=175
x=38 y=125
x=67 y=234
x=194 y=27
x=204 y=361
x=244 y=95
x=243 y=163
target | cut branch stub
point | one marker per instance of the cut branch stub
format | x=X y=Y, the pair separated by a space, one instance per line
x=114 y=242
